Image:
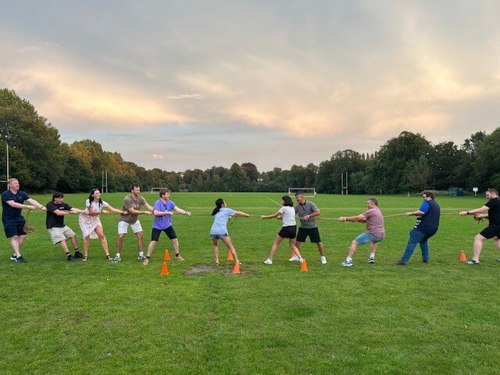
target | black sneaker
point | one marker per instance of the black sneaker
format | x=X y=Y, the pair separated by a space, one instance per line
x=13 y=258
x=78 y=255
x=71 y=258
x=20 y=259
x=401 y=263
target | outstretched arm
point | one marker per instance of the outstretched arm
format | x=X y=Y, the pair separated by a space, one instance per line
x=276 y=214
x=181 y=211
x=359 y=218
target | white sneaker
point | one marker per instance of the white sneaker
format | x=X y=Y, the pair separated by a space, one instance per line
x=141 y=257
x=371 y=260
x=117 y=259
x=295 y=258
x=268 y=261
x=323 y=260
x=345 y=263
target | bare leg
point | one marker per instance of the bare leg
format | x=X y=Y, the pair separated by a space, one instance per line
x=321 y=248
x=140 y=238
x=151 y=248
x=119 y=242
x=175 y=245
x=102 y=238
x=86 y=246
x=294 y=248
x=478 y=246
x=74 y=242
x=64 y=246
x=352 y=249
x=216 y=251
x=229 y=244
x=276 y=243
x=16 y=244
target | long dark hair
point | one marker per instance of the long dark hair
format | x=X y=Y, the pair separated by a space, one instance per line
x=91 y=196
x=218 y=205
x=287 y=201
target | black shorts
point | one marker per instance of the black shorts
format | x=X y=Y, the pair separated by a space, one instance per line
x=288 y=232
x=491 y=231
x=312 y=233
x=170 y=232
x=14 y=227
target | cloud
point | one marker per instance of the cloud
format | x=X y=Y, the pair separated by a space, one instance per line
x=158 y=157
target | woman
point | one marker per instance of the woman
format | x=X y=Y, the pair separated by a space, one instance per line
x=90 y=223
x=222 y=214
x=289 y=229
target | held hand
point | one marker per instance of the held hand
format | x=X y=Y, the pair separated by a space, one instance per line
x=43 y=208
x=342 y=219
x=262 y=216
x=148 y=213
x=478 y=216
x=409 y=213
x=463 y=213
x=306 y=218
x=188 y=213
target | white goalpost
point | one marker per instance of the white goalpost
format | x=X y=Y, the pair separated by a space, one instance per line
x=308 y=192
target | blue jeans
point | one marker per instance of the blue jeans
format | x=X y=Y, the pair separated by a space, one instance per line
x=417 y=237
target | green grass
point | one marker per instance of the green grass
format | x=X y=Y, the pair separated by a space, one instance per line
x=58 y=317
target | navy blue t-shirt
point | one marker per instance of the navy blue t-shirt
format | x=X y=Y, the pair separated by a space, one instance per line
x=429 y=223
x=12 y=213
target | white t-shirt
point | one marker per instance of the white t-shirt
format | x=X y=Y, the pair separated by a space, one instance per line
x=288 y=216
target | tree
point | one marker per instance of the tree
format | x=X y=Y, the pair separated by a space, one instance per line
x=487 y=163
x=30 y=137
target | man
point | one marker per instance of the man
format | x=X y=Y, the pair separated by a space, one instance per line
x=308 y=212
x=132 y=204
x=58 y=231
x=13 y=223
x=375 y=231
x=426 y=226
x=163 y=210
x=492 y=207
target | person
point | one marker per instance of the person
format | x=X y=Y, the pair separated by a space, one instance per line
x=492 y=231
x=308 y=212
x=375 y=231
x=218 y=231
x=13 y=222
x=288 y=230
x=58 y=231
x=132 y=204
x=90 y=223
x=163 y=210
x=426 y=226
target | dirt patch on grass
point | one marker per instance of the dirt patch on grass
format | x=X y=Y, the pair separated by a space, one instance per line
x=200 y=269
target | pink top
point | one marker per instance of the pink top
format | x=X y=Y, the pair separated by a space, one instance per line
x=374 y=222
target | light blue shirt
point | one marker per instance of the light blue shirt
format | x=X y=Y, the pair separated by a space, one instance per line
x=219 y=227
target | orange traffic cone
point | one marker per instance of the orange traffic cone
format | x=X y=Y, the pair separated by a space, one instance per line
x=236 y=268
x=166 y=256
x=303 y=266
x=164 y=269
x=462 y=258
x=230 y=255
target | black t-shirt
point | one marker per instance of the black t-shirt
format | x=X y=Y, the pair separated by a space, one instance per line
x=12 y=213
x=53 y=220
x=494 y=211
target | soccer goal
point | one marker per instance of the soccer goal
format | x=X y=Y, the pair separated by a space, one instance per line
x=308 y=192
x=157 y=189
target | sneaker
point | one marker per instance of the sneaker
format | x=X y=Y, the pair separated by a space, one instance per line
x=401 y=263
x=323 y=260
x=78 y=255
x=71 y=258
x=20 y=259
x=145 y=261
x=371 y=260
x=117 y=259
x=141 y=257
x=425 y=260
x=269 y=261
x=295 y=258
x=13 y=258
x=345 y=263
x=109 y=257
x=472 y=261
x=179 y=258
x=85 y=259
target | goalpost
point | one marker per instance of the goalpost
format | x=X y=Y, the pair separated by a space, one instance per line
x=157 y=189
x=308 y=192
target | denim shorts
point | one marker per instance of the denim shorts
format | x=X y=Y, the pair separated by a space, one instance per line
x=218 y=236
x=367 y=237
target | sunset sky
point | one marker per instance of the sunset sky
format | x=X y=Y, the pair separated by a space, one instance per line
x=193 y=84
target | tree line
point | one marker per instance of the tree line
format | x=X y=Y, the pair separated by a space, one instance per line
x=406 y=163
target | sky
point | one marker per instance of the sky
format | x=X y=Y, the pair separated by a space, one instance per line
x=181 y=85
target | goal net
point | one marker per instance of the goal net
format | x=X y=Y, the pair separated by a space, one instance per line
x=308 y=192
x=157 y=189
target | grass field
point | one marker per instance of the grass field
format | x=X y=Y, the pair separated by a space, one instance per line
x=59 y=317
